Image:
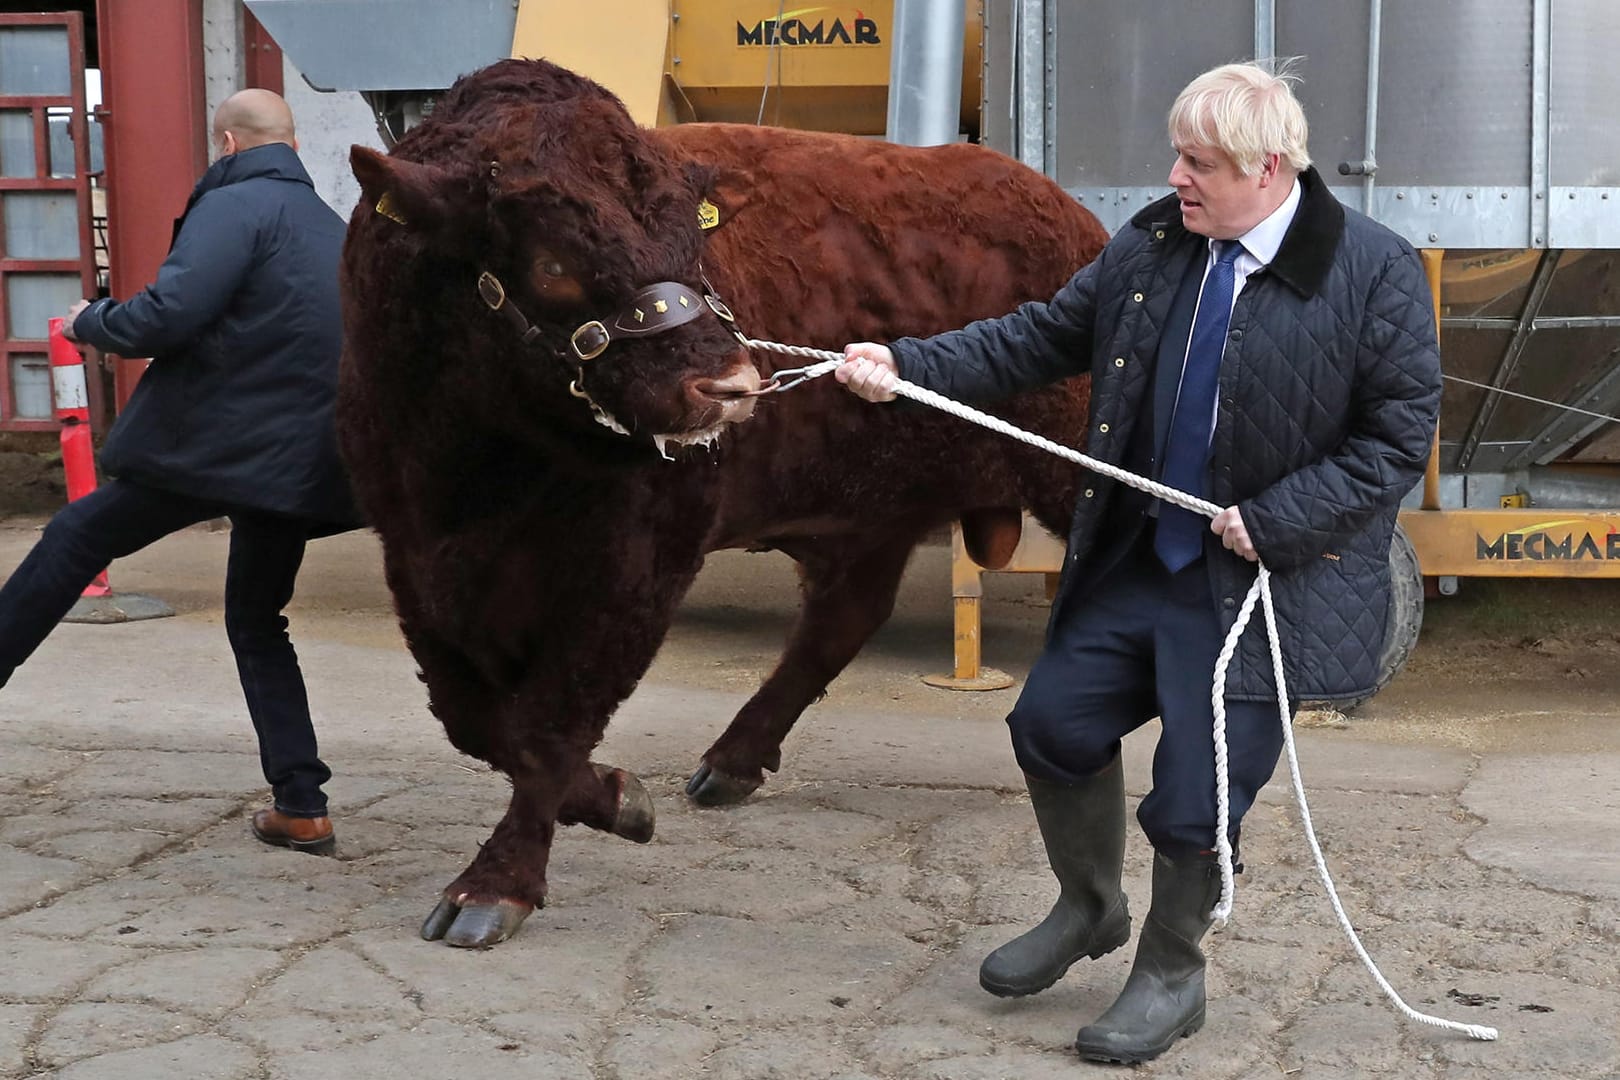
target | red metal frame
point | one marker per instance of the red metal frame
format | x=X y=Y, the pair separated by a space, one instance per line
x=155 y=123
x=79 y=183
x=261 y=56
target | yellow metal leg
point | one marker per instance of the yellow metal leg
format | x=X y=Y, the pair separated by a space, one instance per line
x=967 y=590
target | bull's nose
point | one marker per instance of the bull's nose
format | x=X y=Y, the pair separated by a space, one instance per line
x=740 y=381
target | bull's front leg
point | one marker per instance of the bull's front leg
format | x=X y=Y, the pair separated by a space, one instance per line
x=586 y=638
x=849 y=592
x=507 y=881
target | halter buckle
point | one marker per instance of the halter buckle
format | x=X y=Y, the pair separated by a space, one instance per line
x=491 y=290
x=592 y=351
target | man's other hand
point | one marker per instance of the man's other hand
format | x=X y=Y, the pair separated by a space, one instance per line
x=1228 y=525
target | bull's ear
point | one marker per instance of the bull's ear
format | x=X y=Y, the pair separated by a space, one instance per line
x=408 y=192
x=726 y=193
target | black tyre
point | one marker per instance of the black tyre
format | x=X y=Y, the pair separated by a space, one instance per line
x=1405 y=615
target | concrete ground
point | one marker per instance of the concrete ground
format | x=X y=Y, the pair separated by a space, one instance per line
x=831 y=927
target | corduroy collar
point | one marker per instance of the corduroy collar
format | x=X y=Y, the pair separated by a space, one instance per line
x=1308 y=247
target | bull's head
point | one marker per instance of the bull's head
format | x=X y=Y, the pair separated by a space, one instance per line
x=531 y=200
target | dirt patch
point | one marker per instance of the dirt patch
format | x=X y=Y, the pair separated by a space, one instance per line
x=31 y=483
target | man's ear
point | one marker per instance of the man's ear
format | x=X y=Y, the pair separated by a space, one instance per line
x=415 y=195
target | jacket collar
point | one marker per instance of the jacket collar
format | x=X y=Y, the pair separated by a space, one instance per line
x=1308 y=246
x=276 y=161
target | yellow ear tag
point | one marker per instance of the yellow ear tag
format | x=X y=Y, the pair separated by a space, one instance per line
x=708 y=215
x=385 y=207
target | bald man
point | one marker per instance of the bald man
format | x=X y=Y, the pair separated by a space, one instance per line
x=232 y=419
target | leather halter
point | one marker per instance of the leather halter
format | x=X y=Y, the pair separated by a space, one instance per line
x=654 y=309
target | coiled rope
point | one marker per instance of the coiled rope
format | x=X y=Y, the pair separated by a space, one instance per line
x=1260 y=592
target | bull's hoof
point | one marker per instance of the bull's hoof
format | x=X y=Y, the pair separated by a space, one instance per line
x=711 y=787
x=636 y=816
x=474 y=926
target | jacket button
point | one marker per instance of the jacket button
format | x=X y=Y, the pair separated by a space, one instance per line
x=1137 y=298
x=1158 y=234
x=1119 y=361
x=1236 y=335
x=1228 y=603
x=1102 y=429
x=1089 y=493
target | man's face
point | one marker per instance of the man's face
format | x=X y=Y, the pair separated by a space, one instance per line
x=1217 y=200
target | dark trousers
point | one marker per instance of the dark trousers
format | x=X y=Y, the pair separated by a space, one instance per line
x=121 y=517
x=1141 y=644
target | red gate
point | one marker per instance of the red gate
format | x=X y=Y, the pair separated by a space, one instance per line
x=47 y=258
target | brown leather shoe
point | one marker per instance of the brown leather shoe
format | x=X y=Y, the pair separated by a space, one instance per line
x=313 y=835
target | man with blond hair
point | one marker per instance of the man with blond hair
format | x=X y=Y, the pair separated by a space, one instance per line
x=1254 y=343
x=233 y=418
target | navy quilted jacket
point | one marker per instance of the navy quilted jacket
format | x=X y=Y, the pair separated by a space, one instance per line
x=1329 y=394
x=244 y=329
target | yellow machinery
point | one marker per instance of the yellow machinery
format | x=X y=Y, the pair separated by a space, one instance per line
x=793 y=64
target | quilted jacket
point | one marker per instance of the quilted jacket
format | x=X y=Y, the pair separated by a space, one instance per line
x=1329 y=395
x=244 y=329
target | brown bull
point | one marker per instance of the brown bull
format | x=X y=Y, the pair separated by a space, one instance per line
x=542 y=514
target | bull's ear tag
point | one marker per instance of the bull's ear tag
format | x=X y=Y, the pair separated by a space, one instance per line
x=385 y=207
x=708 y=215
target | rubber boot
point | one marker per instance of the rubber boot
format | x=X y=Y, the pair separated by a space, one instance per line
x=1163 y=999
x=1083 y=826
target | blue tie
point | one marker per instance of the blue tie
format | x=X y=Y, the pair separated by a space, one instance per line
x=1179 y=539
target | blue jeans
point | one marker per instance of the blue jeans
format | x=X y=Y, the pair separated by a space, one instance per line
x=122 y=517
x=1142 y=644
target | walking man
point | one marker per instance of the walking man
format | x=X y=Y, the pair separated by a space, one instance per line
x=233 y=418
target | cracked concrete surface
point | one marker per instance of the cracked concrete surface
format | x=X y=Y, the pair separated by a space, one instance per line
x=828 y=929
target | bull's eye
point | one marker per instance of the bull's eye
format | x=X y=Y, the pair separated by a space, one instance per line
x=552 y=268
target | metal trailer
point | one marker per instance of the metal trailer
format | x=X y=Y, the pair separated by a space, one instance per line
x=1484 y=132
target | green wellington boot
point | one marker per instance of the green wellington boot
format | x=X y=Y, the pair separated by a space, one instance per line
x=1163 y=999
x=1083 y=826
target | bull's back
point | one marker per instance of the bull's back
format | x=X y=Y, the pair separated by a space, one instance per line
x=833 y=238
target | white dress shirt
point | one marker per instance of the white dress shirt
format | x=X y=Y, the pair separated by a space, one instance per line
x=1260 y=246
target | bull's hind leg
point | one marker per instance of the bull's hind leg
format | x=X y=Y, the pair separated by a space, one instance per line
x=849 y=592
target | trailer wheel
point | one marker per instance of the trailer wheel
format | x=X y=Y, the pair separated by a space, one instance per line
x=1405 y=615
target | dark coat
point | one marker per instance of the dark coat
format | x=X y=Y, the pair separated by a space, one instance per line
x=1329 y=394
x=244 y=329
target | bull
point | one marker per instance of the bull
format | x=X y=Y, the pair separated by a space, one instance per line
x=550 y=419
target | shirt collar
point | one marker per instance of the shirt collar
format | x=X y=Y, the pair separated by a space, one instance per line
x=1266 y=238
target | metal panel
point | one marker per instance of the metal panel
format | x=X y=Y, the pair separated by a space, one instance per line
x=41 y=224
x=1496 y=127
x=30 y=386
x=34 y=60
x=1585 y=88
x=1426 y=216
x=409 y=44
x=1119 y=67
x=32 y=300
x=1468 y=63
x=1330 y=42
x=17 y=143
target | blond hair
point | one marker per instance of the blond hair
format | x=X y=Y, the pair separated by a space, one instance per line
x=1245 y=111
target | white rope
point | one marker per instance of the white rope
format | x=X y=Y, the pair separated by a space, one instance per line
x=1260 y=591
